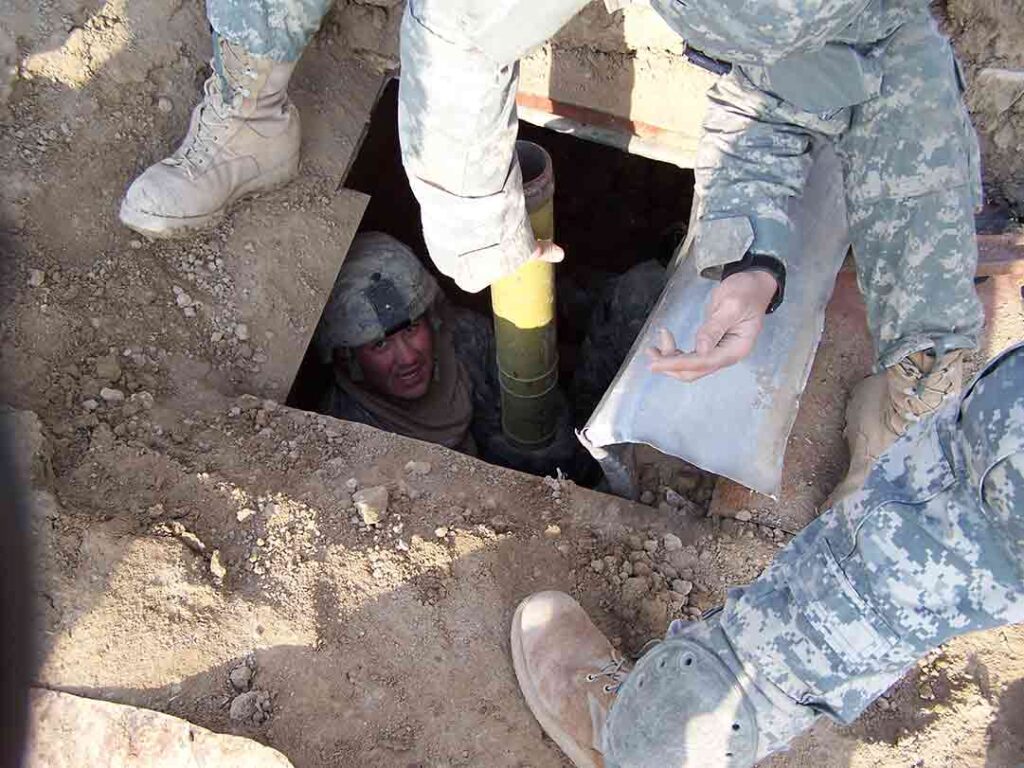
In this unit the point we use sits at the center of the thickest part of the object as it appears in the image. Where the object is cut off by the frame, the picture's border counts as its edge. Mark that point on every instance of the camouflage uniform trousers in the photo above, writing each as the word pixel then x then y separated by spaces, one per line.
pixel 930 548
pixel 275 29
pixel 911 168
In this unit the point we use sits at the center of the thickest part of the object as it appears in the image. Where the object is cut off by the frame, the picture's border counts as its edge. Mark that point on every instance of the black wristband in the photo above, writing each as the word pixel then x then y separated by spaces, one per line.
pixel 757 262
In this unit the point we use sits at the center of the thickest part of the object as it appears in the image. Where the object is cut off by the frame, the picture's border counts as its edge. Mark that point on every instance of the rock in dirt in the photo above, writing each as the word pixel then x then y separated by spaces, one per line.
pixel 112 396
pixel 634 588
pixel 176 529
pixel 252 707
pixel 420 468
pixel 36 278
pixel 372 504
pixel 683 559
pixel 217 567
pixel 744 516
pixel 241 677
pixel 70 732
pixel 654 612
pixel 672 542
pixel 674 499
pixel 682 586
pixel 108 368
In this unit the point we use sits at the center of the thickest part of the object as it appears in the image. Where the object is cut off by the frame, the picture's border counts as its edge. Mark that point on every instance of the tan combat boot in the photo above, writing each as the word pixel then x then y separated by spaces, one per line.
pixel 883 406
pixel 568 671
pixel 242 139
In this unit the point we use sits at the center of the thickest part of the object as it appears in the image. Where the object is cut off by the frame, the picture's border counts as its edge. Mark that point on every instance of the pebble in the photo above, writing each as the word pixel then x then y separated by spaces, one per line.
pixel 597 566
pixel 682 586
pixel 164 104
pixel 672 542
pixel 553 531
pixel 143 399
pixel 674 498
pixel 634 588
pixel 352 484
pixel 647 497
pixel 252 706
pixel 244 514
pixel 926 692
pixel 242 332
pixel 135 244
pixel 108 368
pixel 36 277
pixel 651 545
pixel 441 531
pixel 90 405
pixel 112 396
pixel 217 567
pixel 654 612
pixel 418 468
pixel 155 511
pixel 744 516
pixel 371 503
pixel 241 677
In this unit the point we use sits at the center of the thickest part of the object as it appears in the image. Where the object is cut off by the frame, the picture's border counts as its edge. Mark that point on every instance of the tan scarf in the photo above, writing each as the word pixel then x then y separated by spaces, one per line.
pixel 443 415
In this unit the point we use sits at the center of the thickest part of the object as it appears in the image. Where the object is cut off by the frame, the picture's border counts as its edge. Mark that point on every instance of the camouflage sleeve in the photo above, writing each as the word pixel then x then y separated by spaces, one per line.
pixel 457 124
pixel 753 157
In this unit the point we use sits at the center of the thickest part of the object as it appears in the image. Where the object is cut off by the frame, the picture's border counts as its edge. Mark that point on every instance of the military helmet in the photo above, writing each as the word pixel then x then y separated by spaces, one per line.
pixel 381 287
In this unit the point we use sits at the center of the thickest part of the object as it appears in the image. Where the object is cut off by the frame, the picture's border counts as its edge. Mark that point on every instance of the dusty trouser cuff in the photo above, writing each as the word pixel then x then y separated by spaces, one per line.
pixel 690 702
pixel 499 220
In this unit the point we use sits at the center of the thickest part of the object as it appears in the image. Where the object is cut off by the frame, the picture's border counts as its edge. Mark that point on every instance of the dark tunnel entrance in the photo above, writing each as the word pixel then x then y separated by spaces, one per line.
pixel 619 218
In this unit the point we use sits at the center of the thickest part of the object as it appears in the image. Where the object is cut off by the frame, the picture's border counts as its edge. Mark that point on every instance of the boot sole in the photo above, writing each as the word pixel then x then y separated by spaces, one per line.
pixel 580 758
pixel 168 227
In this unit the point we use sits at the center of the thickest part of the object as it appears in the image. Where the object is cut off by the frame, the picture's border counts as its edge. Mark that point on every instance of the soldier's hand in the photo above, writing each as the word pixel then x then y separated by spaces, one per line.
pixel 733 319
pixel 548 251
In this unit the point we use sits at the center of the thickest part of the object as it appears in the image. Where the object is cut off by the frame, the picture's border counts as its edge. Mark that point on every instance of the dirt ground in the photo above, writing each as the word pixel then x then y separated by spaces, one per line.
pixel 196 540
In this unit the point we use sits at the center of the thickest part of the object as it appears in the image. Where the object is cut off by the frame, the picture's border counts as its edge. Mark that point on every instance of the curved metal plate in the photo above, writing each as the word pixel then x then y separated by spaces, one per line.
pixel 735 422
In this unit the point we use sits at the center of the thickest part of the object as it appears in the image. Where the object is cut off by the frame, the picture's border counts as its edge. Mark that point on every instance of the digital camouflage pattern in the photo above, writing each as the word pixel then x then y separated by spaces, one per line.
pixel 879 80
pixel 910 161
pixel 931 547
pixel 277 29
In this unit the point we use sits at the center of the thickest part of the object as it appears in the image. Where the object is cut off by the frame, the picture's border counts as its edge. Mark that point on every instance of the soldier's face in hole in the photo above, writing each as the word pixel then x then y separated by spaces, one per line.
pixel 400 365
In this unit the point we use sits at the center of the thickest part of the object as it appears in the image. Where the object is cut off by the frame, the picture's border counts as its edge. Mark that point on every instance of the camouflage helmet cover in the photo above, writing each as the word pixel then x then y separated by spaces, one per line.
pixel 381 286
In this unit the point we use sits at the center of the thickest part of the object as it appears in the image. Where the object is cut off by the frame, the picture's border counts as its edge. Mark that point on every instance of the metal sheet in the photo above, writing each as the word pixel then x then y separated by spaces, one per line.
pixel 735 422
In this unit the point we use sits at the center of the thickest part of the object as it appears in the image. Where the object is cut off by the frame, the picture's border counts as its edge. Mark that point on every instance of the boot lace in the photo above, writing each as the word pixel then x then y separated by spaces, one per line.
pixel 614 672
pixel 927 391
pixel 211 124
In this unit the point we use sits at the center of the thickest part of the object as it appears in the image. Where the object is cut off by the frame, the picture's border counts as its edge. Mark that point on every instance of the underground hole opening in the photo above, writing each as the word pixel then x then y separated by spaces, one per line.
pixel 619 218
